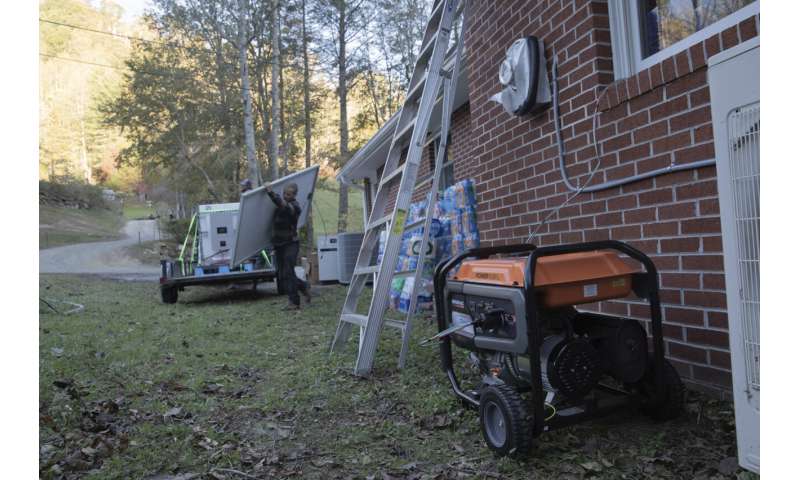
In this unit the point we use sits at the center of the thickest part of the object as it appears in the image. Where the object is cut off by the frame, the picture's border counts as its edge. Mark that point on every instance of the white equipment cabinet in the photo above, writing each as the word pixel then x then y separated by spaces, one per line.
pixel 217 231
pixel 328 256
pixel 735 110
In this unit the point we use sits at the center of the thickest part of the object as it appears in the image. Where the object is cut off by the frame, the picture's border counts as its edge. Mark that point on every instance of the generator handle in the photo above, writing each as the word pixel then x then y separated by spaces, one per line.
pixel 534 337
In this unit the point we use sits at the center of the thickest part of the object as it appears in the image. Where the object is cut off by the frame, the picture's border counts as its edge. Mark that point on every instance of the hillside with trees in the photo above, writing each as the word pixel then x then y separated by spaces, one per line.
pixel 198 95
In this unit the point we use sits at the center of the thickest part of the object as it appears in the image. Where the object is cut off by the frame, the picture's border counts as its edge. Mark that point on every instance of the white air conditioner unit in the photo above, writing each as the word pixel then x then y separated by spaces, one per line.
pixel 349 245
pixel 328 258
pixel 733 77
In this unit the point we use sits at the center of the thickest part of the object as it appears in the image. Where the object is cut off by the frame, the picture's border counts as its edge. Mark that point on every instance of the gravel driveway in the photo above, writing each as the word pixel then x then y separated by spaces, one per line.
pixel 105 258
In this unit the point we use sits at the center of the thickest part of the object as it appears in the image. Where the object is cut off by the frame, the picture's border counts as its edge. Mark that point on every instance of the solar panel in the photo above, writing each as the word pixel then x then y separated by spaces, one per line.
pixel 256 212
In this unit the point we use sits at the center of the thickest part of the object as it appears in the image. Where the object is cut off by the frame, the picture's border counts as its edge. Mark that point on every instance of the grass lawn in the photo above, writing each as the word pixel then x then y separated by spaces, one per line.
pixel 224 384
pixel 326 209
pixel 133 210
pixel 64 226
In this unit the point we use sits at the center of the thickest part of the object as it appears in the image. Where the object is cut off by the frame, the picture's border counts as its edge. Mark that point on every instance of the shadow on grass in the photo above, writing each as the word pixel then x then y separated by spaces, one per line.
pixel 220 295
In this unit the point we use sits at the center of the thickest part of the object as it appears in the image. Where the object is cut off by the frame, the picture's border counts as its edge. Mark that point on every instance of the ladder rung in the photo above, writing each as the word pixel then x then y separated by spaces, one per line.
pixel 355 318
pixel 427 49
pixel 381 221
pixel 422 181
pixel 405 130
pixel 366 270
pixel 416 90
pixel 405 273
pixel 391 175
pixel 414 224
pixel 398 324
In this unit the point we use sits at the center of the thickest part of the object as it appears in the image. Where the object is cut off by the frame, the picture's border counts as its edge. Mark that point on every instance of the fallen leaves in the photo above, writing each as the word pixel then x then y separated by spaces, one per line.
pixel 728 466
pixel 99 434
pixel 161 414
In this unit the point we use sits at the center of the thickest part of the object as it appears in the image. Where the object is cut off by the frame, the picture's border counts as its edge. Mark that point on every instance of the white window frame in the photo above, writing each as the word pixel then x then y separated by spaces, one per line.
pixel 626 44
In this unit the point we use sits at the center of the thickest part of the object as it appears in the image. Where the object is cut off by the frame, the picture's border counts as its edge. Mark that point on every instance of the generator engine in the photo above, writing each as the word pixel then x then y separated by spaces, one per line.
pixel 544 361
pixel 569 366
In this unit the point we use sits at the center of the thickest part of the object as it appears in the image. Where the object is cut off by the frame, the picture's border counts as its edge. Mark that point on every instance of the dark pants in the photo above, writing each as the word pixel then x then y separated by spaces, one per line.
pixel 285 260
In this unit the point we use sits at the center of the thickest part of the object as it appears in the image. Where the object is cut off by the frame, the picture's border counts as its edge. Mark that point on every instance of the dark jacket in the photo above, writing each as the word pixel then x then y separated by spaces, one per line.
pixel 284 225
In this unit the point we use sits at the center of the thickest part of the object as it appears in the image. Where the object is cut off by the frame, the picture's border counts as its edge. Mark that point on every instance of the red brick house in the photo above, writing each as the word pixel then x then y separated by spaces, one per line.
pixel 648 80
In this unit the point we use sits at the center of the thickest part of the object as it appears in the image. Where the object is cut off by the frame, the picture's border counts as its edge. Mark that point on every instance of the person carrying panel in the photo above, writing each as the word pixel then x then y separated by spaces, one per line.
pixel 286 243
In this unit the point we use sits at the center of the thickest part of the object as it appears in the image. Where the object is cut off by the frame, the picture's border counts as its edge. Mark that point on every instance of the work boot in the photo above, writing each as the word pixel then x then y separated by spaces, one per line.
pixel 291 306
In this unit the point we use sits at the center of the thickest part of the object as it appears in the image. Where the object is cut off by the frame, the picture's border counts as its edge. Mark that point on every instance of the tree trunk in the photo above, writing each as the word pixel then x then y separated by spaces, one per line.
pixel 249 133
pixel 284 150
pixel 276 93
pixel 307 125
pixel 86 171
pixel 264 113
pixel 231 141
pixel 343 130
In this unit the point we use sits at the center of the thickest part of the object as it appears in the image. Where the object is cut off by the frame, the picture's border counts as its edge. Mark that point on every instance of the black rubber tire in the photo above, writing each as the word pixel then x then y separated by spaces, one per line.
pixel 505 421
pixel 169 294
pixel 674 400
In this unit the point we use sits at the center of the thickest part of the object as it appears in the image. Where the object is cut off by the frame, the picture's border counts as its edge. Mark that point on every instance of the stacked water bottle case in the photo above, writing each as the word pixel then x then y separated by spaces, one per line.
pixel 454 229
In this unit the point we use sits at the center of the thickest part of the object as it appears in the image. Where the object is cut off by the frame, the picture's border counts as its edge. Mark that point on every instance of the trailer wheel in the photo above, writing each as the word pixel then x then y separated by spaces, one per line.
pixel 675 393
pixel 169 294
pixel 505 421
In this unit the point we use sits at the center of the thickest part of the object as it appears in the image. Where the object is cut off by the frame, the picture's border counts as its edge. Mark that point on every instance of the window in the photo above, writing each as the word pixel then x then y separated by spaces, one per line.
pixel 645 32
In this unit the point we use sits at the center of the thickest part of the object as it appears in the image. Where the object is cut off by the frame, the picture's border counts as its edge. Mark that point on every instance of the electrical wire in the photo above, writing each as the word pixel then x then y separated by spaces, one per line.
pixel 605 185
pixel 76 307
pixel 552 414
pixel 82 61
pixel 557 119
pixel 49 305
pixel 112 34
pixel 321 217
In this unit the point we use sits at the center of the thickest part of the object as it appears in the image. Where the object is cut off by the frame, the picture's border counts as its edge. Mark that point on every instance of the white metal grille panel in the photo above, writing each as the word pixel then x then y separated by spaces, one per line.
pixel 744 135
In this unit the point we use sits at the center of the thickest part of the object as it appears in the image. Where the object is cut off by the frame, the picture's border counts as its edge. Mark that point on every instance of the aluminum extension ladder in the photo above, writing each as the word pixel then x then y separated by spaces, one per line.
pixel 410 132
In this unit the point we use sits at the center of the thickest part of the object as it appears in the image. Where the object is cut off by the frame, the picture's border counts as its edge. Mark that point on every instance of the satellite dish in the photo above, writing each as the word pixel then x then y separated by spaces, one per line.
pixel 524 78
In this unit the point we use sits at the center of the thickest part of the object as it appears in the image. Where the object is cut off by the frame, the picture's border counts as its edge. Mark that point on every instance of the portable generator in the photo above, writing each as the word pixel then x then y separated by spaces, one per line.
pixel 513 308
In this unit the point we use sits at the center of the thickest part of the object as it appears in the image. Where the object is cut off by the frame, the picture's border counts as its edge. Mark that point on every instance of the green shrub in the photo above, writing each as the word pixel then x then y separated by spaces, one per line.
pixel 72 193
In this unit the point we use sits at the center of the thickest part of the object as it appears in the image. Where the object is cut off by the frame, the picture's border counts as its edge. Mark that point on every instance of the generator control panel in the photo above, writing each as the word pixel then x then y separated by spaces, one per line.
pixel 491 316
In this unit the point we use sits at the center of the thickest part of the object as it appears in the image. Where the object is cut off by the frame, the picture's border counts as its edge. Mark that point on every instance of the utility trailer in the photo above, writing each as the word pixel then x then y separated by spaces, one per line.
pixel 228 243
pixel 198 265
pixel 170 286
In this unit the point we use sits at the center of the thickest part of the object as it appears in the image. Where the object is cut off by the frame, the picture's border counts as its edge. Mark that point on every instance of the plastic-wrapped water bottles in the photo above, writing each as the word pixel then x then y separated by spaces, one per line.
pixel 453 230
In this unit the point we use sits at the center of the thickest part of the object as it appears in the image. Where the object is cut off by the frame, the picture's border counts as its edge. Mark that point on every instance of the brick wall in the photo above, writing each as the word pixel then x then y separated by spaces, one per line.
pixel 459 152
pixel 648 121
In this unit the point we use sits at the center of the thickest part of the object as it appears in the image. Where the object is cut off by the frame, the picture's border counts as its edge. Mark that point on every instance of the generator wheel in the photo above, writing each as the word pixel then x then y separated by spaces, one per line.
pixel 505 421
pixel 169 294
pixel 675 393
